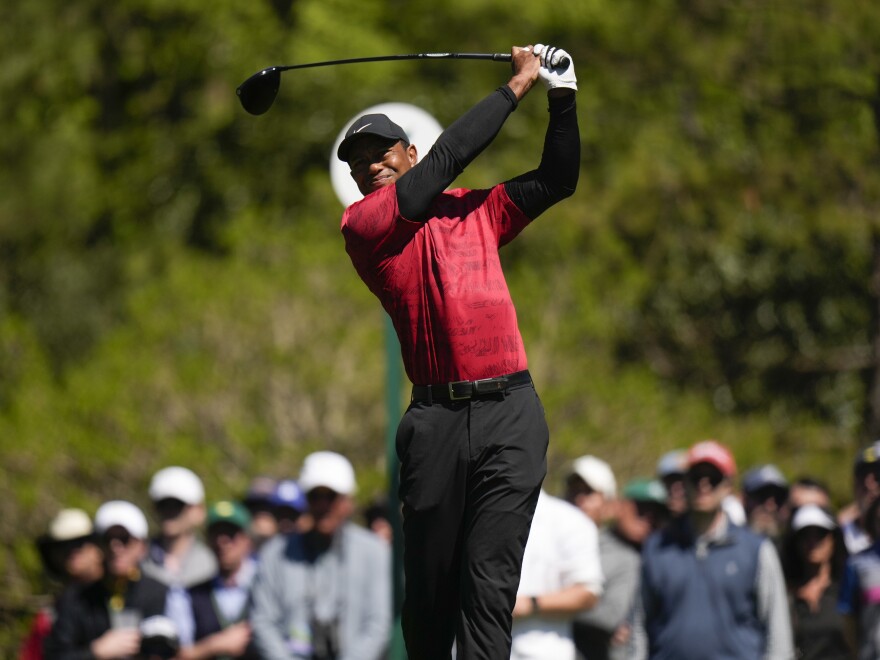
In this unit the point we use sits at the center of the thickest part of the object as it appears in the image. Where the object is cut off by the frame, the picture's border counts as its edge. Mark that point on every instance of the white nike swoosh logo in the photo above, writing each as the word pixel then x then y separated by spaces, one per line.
pixel 363 127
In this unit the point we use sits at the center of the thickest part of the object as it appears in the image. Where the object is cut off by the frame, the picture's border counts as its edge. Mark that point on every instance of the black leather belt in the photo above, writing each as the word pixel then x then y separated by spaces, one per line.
pixel 463 390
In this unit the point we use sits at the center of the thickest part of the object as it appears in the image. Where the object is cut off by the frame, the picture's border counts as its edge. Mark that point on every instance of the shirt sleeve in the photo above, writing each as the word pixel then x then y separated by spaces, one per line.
pixel 638 637
pixel 267 618
pixel 582 553
pixel 557 175
pixel 374 631
pixel 456 147
pixel 773 604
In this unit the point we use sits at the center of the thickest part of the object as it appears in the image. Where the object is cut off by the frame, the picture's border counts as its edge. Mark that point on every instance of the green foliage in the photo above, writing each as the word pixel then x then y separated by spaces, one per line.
pixel 173 286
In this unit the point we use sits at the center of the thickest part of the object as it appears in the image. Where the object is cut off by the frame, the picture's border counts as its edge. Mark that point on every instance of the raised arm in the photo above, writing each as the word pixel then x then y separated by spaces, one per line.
pixel 557 175
pixel 465 139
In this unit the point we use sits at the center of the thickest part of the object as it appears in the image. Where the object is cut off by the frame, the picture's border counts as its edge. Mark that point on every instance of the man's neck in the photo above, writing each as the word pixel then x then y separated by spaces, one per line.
pixel 704 522
pixel 177 546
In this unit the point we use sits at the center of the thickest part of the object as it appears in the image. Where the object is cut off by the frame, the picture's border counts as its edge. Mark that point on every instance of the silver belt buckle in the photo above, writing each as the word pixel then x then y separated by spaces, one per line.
pixel 490 385
pixel 453 396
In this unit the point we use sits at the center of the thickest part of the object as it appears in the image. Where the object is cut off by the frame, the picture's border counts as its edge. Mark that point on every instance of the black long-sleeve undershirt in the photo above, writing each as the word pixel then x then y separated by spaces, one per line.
pixel 533 192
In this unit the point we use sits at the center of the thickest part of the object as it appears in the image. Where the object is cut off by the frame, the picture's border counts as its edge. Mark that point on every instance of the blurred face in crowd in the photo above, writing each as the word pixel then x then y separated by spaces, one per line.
pixel 177 518
pixel 329 510
pixel 676 500
pixel 706 488
pixel 288 519
pixel 264 525
pixel 636 520
pixel 123 552
pixel 767 509
pixel 231 544
pixel 866 483
pixel 582 495
pixel 815 545
pixel 81 560
pixel 800 494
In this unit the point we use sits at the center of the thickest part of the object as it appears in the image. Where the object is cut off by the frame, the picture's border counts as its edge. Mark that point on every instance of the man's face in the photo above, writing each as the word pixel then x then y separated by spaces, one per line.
pixel 377 162
pixel 230 543
pixel 676 499
pixel 329 510
pixel 177 518
pixel 264 524
pixel 123 552
pixel 706 488
pixel 636 520
pixel 591 502
pixel 767 510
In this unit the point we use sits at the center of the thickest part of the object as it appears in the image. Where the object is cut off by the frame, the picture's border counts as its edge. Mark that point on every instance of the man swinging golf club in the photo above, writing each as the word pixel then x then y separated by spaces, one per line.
pixel 472 444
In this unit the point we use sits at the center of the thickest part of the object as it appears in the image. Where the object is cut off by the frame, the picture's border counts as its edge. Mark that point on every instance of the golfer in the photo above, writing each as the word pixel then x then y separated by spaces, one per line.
pixel 472 444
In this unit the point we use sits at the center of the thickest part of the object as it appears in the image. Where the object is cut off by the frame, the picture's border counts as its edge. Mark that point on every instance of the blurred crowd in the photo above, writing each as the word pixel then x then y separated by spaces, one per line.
pixel 697 560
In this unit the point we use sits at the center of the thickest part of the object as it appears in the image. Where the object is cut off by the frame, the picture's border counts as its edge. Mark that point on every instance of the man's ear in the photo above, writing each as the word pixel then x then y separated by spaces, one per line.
pixel 413 154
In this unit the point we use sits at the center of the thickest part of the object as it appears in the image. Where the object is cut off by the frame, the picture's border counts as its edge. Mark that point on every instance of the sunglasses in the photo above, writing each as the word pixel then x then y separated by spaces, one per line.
pixel 73 545
pixel 712 475
pixel 651 510
pixel 813 533
pixel 777 494
pixel 122 537
pixel 321 495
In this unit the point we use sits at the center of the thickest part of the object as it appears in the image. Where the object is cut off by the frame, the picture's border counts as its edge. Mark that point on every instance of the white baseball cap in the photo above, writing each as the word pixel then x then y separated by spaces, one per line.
pixel 177 483
pixel 70 524
pixel 124 514
pixel 327 469
pixel 597 474
pixel 810 515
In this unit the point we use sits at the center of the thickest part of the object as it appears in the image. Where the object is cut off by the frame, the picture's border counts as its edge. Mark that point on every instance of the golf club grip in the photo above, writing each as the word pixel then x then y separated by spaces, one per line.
pixel 563 63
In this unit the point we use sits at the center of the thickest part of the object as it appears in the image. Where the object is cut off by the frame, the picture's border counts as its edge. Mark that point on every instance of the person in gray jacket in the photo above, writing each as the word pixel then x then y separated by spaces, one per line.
pixel 324 593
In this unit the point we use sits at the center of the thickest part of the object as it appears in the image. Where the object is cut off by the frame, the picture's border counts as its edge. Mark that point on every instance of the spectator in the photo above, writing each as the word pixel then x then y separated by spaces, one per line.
pixel 177 557
pixel 710 589
pixel 560 577
pixel 603 632
pixel 70 555
pixel 670 470
pixel 813 558
pixel 324 593
pixel 102 619
pixel 866 487
pixel 377 517
pixel 807 490
pixel 591 487
pixel 215 625
pixel 289 506
pixel 765 494
pixel 860 590
pixel 258 501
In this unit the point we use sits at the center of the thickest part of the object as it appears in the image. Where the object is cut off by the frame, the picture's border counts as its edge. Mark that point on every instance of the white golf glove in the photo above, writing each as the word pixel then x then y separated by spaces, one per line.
pixel 552 73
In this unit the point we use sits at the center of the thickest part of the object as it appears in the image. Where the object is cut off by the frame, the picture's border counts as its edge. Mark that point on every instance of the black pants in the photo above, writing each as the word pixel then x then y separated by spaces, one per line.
pixel 470 474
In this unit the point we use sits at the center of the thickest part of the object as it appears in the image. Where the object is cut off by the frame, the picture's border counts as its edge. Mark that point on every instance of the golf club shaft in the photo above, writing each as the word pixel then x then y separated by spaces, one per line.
pixel 498 57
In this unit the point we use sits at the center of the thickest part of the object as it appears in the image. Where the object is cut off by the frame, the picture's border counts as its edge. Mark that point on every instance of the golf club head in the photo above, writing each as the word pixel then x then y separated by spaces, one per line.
pixel 257 93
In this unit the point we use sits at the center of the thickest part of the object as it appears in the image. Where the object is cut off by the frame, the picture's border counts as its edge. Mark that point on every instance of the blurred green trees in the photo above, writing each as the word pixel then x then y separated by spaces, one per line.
pixel 173 287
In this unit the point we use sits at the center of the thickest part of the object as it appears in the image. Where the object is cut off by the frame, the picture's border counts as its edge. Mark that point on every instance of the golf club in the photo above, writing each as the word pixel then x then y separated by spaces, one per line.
pixel 257 93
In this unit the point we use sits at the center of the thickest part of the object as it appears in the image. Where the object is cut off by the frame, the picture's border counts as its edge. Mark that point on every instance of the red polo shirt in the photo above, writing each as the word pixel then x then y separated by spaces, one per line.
pixel 441 281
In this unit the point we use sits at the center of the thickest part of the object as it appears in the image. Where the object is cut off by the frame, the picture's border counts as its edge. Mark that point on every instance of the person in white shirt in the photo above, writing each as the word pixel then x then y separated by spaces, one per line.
pixel 561 576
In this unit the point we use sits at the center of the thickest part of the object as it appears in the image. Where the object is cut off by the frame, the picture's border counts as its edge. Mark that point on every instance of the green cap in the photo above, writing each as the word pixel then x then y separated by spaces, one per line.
pixel 645 490
pixel 229 512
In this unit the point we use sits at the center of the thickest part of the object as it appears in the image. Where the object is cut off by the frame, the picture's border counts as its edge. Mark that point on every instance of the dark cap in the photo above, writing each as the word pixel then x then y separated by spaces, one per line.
pixel 370 125
pixel 227 511
pixel 868 457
